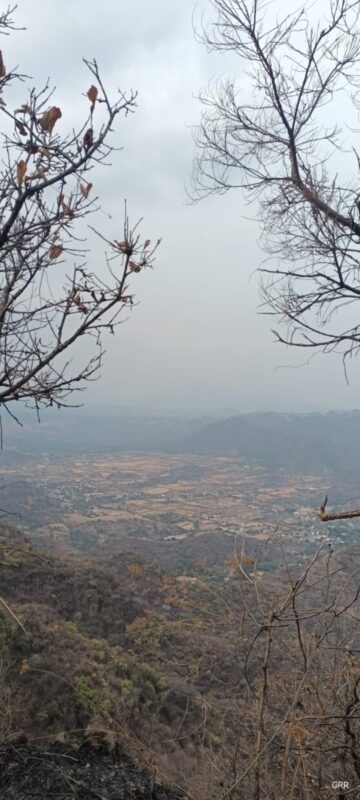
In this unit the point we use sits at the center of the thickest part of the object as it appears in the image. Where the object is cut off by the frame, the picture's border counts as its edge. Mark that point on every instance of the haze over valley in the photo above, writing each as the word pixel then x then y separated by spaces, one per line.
pixel 183 491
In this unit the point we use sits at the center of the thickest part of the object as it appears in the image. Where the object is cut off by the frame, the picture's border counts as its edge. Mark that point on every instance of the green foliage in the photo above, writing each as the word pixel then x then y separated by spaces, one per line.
pixel 71 628
pixel 93 699
pixel 102 649
pixel 166 635
pixel 84 694
pixel 118 658
pixel 16 559
pixel 126 686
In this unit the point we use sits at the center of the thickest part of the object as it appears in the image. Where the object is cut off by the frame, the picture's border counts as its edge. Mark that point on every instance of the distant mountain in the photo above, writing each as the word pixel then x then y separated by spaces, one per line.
pixel 85 431
pixel 299 442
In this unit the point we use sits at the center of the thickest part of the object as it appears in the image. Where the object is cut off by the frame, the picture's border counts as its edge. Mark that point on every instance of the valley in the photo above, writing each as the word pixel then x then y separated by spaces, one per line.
pixel 182 510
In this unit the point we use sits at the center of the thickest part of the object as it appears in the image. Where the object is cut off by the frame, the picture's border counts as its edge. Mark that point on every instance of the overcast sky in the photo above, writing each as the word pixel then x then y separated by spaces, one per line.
pixel 196 340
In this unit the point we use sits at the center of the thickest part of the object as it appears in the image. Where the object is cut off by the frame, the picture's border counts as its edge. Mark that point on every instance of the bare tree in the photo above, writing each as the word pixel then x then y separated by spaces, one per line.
pixel 45 190
pixel 279 139
pixel 270 670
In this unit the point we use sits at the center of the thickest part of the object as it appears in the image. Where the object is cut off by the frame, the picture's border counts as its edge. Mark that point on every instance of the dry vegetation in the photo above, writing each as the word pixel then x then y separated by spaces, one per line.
pixel 243 689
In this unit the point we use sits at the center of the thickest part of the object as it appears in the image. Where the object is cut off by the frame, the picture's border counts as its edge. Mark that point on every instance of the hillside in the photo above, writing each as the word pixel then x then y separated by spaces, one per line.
pixel 95 431
pixel 163 675
pixel 106 649
pixel 306 443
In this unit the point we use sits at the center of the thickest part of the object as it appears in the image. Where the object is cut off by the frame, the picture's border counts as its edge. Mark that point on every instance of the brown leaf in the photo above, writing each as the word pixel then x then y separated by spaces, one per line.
pixel 45 152
pixel 297 730
pixel 85 190
pixel 40 173
pixel 21 128
pixel 55 251
pixel 147 244
pixel 21 171
pixel 25 109
pixel 67 210
pixel 88 139
pixel 134 267
pixel 92 94
pixel 2 66
pixel 31 148
pixel 78 302
pixel 49 118
pixel 110 740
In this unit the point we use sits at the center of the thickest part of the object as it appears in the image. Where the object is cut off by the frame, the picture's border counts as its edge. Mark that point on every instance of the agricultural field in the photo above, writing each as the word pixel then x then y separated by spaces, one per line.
pixel 178 509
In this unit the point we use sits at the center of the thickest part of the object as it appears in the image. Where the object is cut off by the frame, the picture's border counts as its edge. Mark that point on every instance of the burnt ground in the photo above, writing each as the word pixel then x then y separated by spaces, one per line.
pixel 61 773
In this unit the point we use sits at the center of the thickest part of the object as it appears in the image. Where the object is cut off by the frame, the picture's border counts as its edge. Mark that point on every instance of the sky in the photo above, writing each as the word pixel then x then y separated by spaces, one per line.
pixel 196 340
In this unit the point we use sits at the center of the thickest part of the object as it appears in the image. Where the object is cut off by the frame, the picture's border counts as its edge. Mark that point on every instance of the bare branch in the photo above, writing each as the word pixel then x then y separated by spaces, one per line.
pixel 270 140
pixel 45 191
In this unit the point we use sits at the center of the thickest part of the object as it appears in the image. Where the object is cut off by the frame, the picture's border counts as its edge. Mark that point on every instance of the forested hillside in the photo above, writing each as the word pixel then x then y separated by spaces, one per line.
pixel 170 670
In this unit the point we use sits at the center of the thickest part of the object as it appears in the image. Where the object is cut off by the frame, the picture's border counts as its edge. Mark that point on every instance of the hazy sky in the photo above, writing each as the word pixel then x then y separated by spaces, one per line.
pixel 196 340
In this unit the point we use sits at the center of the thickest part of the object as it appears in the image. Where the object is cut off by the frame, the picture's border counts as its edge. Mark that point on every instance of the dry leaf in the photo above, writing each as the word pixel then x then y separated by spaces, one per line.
pixel 147 244
pixel 78 302
pixel 31 148
pixel 2 66
pixel 25 109
pixel 92 94
pixel 40 173
pixel 297 730
pixel 55 251
pixel 85 190
pixel 49 118
pixel 21 171
pixel 110 739
pixel 21 128
pixel 25 666
pixel 134 267
pixel 65 207
pixel 88 139
pixel 45 152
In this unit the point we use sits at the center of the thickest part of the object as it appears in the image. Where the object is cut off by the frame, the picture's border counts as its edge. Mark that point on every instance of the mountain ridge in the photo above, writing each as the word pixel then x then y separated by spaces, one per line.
pixel 302 442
